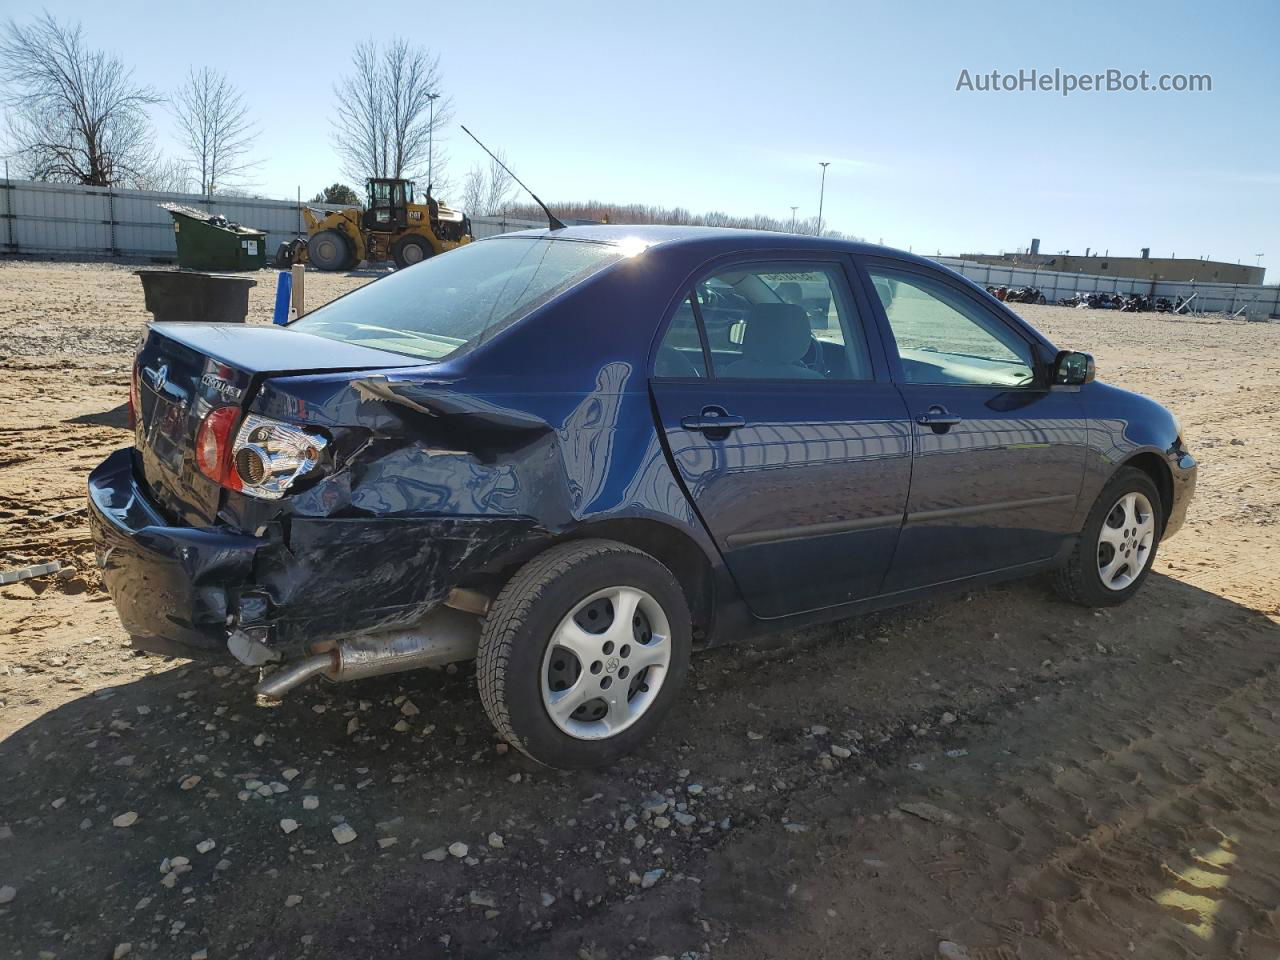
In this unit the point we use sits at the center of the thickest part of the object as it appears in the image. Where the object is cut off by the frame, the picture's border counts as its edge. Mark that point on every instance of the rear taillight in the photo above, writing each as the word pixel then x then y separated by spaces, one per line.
pixel 269 455
pixel 134 404
pixel 213 446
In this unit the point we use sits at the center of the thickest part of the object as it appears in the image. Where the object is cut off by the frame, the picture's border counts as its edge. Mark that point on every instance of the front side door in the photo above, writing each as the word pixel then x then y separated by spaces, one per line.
pixel 998 456
pixel 784 427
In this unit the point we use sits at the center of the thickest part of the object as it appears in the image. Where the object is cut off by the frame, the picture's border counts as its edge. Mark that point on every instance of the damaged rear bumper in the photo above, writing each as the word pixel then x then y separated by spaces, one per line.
pixel 169 584
pixel 182 590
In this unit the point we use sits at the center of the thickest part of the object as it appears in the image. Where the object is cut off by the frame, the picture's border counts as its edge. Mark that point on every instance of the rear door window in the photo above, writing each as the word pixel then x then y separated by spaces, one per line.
pixel 680 354
pixel 782 321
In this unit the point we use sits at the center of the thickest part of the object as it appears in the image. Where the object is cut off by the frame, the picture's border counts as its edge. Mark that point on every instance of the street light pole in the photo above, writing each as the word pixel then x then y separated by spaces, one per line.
pixel 431 141
pixel 822 192
pixel 793 219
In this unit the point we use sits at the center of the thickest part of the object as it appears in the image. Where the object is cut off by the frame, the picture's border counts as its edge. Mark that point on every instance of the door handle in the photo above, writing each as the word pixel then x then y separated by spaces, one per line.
pixel 938 417
pixel 713 420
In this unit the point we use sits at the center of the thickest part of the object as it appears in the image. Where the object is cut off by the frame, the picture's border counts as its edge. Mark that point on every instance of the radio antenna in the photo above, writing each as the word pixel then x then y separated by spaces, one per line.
pixel 553 221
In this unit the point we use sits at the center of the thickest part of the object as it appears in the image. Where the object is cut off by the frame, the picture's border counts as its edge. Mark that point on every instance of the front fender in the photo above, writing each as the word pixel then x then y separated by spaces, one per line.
pixel 1124 425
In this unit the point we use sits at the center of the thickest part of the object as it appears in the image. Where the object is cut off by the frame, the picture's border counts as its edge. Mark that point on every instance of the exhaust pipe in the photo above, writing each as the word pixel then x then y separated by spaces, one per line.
pixel 445 636
pixel 274 687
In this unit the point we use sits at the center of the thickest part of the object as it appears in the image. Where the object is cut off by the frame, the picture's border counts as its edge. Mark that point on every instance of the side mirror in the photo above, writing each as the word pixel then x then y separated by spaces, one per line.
pixel 1073 369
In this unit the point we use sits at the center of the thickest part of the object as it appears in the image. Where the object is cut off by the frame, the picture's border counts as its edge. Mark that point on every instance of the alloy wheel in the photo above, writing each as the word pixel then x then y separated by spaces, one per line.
pixel 605 663
pixel 1125 541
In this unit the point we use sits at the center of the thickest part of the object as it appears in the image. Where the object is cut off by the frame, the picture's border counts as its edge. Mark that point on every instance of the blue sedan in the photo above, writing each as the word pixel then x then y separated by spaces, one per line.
pixel 575 455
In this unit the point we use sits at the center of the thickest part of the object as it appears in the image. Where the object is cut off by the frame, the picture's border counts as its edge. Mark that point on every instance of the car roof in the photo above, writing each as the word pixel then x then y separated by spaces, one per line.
pixel 711 240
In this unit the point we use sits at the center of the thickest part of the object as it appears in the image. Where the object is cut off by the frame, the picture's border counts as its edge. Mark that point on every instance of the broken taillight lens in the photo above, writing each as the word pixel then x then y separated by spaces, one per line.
pixel 213 446
pixel 269 455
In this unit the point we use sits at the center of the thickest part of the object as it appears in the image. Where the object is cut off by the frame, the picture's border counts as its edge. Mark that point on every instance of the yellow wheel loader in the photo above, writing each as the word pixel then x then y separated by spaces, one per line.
pixel 391 227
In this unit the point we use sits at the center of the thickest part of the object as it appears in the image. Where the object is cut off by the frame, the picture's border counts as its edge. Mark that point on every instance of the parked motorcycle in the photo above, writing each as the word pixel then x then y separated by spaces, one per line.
pixel 1025 295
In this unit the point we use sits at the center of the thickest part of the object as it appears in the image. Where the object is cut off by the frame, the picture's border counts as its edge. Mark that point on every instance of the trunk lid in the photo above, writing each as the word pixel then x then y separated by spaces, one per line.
pixel 185 370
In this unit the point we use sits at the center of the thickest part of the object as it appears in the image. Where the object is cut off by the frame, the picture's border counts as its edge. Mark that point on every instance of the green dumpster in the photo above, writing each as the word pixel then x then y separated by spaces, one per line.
pixel 211 242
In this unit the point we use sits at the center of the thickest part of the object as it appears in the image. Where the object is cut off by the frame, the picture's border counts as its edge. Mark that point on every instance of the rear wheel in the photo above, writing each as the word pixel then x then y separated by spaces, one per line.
pixel 583 653
pixel 410 250
pixel 329 250
pixel 1114 553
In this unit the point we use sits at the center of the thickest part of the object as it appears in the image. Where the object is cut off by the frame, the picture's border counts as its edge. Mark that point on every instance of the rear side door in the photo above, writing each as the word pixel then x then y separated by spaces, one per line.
pixel 998 455
pixel 775 401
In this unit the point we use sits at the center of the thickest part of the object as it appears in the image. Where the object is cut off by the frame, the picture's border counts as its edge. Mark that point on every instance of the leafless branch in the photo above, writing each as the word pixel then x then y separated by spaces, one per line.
pixel 488 191
pixel 217 134
pixel 168 175
pixel 384 123
pixel 73 114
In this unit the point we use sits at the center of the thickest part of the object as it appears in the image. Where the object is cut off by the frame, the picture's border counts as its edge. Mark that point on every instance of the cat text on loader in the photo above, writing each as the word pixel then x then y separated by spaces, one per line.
pixel 392 227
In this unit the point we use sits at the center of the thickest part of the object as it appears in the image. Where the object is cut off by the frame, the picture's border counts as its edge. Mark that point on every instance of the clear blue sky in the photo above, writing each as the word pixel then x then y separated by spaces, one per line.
pixel 730 105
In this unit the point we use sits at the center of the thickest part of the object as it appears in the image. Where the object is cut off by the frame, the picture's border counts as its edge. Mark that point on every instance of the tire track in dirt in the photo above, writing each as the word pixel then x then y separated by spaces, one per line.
pixel 1145 826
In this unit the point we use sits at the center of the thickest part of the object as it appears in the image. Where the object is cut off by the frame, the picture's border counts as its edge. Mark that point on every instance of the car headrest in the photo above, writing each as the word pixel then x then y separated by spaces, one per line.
pixel 776 333
pixel 790 292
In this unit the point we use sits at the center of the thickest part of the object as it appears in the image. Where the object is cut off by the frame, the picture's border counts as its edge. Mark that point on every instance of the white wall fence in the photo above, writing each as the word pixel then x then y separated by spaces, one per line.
pixel 42 219
pixel 1254 302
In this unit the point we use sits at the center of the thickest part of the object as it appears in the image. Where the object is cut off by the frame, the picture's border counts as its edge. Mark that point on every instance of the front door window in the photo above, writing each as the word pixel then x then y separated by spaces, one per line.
pixel 943 338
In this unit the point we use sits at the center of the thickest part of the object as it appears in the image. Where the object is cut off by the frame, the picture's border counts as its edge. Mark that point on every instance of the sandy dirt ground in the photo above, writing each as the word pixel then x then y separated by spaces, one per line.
pixel 996 775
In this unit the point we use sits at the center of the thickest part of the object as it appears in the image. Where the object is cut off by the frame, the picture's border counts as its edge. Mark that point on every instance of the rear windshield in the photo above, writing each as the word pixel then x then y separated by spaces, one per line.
pixel 457 298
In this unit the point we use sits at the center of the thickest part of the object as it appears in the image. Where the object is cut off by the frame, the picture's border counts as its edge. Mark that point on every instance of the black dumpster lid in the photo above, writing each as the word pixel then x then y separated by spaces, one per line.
pixel 147 272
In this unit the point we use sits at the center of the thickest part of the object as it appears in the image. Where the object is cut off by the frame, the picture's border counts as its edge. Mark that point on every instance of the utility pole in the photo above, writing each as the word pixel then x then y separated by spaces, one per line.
pixel 822 192
pixel 793 219
pixel 431 140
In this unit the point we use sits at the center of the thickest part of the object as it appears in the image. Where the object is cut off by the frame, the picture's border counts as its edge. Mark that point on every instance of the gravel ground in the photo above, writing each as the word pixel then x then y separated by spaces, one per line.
pixel 996 775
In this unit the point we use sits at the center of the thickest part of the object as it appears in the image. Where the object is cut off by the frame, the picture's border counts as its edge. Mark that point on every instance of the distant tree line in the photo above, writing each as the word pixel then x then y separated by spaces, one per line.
pixel 678 216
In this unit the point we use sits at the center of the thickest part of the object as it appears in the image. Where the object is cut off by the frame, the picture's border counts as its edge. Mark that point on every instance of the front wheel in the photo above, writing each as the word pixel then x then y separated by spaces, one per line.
pixel 409 250
pixel 1117 546
pixel 584 651
pixel 329 250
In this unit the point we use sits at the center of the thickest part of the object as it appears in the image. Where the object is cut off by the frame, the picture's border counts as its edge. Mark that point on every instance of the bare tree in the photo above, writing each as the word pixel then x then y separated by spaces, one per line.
pixel 166 175
pixel 473 191
pixel 487 191
pixel 385 120
pixel 498 186
pixel 217 133
pixel 74 115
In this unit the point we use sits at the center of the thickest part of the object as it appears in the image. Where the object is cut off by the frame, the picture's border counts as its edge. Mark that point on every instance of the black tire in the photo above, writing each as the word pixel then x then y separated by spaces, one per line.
pixel 409 250
pixel 1079 580
pixel 329 250
pixel 518 632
